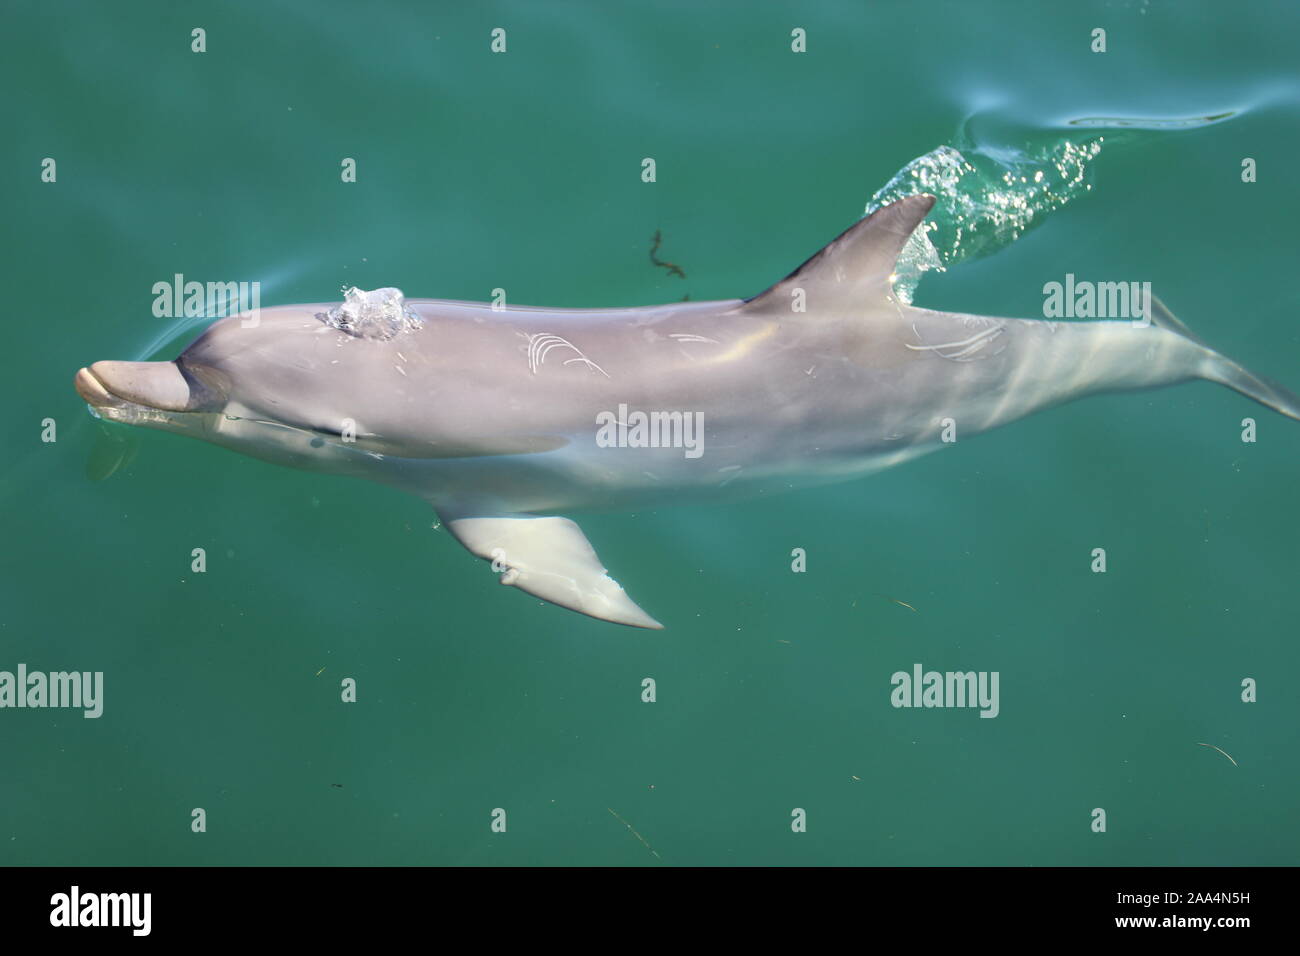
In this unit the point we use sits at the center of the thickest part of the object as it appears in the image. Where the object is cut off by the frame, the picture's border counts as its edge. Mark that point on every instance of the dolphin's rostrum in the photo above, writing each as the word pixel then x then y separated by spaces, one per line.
pixel 492 414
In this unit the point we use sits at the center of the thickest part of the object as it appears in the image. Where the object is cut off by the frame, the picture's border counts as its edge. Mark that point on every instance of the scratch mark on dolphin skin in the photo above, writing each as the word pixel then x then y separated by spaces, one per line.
pixel 634 833
pixel 540 343
pixel 688 337
pixel 1224 752
pixel 964 348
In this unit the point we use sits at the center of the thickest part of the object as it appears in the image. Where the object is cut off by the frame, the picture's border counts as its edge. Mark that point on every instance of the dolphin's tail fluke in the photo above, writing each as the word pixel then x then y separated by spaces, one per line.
pixel 1219 368
pixel 1263 390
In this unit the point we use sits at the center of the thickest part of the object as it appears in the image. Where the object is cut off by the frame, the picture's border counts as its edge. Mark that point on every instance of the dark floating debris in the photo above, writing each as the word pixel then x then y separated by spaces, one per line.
pixel 672 267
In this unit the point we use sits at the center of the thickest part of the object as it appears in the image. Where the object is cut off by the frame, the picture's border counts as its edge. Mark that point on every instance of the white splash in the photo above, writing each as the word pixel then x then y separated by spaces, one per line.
pixel 378 314
pixel 986 198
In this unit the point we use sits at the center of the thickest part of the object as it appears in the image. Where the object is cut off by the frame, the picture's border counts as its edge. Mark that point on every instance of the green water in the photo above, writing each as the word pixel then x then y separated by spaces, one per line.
pixel 522 170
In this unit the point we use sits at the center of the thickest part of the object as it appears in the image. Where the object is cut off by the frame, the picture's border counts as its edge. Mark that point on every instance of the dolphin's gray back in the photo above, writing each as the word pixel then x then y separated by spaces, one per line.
pixel 502 418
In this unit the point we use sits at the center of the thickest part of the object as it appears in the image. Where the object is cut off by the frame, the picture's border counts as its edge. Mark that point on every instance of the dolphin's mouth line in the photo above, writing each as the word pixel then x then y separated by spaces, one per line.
pixel 309 430
pixel 107 404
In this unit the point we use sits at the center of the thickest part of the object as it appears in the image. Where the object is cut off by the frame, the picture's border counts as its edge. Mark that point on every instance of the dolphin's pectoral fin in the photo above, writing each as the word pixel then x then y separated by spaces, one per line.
pixel 114 448
pixel 552 559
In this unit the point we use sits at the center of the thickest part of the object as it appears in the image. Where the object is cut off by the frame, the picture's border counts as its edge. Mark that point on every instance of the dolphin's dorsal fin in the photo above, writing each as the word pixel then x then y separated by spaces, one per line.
pixel 855 265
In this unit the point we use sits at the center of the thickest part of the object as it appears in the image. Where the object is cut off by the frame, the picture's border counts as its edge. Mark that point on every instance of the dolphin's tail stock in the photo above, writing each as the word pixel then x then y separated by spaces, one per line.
pixel 1219 368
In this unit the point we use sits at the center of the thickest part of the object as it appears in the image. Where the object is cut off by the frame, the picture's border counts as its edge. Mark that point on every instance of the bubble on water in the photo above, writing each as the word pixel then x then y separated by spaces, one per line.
pixel 377 314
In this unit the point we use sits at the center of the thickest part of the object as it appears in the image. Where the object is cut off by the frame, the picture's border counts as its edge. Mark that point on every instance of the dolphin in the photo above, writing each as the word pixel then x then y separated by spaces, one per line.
pixel 506 418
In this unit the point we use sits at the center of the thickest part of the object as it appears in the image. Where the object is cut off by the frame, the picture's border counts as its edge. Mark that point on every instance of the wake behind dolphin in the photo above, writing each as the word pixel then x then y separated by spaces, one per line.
pixel 502 418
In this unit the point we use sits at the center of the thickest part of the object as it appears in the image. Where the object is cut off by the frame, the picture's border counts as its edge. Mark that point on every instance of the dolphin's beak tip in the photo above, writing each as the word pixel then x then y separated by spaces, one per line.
pixel 90 388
